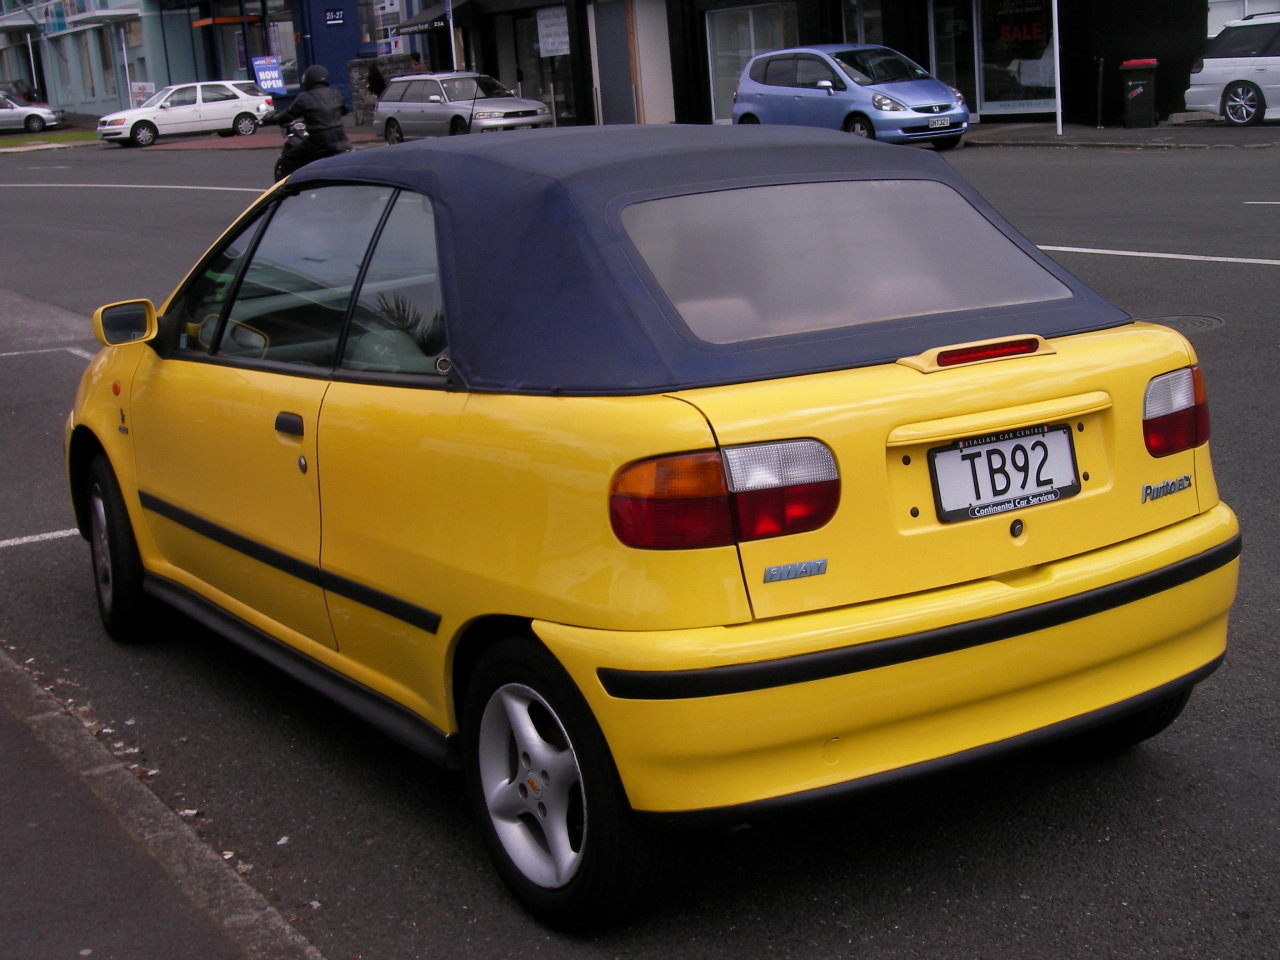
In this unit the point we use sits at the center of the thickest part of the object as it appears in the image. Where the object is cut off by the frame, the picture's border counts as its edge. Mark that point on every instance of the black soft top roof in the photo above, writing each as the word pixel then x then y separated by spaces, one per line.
pixel 544 292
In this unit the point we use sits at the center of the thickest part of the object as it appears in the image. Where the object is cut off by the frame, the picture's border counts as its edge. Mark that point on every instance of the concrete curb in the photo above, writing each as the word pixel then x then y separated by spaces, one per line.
pixel 207 881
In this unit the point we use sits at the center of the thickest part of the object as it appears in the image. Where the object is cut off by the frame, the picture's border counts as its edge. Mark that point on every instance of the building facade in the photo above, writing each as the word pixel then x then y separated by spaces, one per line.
pixel 614 61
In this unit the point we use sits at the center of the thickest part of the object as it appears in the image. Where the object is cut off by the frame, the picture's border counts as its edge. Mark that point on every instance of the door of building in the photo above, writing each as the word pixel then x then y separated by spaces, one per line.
pixel 954 48
pixel 734 37
pixel 613 62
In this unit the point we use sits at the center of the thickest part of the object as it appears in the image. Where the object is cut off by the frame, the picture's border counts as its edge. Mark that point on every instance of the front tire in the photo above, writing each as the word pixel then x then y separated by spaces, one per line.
pixel 143 134
pixel 34 124
pixel 946 143
pixel 543 787
pixel 244 125
pixel 117 567
pixel 859 126
pixel 457 126
pixel 1242 104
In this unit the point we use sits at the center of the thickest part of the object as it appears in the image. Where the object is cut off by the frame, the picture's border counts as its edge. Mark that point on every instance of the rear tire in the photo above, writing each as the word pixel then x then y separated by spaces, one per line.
pixel 244 125
pixel 748 118
pixel 1243 104
pixel 544 790
pixel 392 133
pixel 859 126
pixel 117 568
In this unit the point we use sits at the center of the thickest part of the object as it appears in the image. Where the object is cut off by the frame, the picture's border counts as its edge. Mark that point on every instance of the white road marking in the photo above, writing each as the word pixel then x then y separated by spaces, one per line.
pixel 76 351
pixel 134 186
pixel 1262 203
pixel 39 538
pixel 1164 256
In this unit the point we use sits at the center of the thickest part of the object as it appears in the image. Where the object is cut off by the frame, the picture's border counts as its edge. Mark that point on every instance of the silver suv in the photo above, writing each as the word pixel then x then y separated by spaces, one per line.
pixel 1239 74
pixel 435 104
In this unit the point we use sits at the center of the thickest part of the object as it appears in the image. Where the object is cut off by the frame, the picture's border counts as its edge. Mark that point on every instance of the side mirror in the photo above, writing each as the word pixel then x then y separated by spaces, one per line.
pixel 127 322
pixel 826 85
pixel 435 98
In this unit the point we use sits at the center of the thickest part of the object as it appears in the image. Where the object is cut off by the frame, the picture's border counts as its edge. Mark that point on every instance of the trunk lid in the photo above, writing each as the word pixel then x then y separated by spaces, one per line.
pixel 894 426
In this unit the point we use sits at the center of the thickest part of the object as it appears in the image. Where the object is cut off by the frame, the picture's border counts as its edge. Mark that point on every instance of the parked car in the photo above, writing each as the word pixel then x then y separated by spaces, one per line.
pixel 1239 72
pixel 864 89
pixel 777 466
pixel 228 107
pixel 16 114
pixel 438 104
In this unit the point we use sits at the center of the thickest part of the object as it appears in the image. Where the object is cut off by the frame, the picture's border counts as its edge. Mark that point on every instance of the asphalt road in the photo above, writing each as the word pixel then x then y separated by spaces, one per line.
pixel 1168 851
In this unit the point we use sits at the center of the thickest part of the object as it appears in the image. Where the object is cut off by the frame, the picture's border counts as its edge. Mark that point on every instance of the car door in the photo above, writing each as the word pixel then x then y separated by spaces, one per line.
pixel 225 424
pixel 389 430
pixel 218 106
pixel 436 110
pixel 411 110
pixel 180 111
pixel 818 93
pixel 10 115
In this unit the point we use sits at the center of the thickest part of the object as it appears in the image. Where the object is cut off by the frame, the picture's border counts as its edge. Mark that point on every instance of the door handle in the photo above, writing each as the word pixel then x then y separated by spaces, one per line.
pixel 290 423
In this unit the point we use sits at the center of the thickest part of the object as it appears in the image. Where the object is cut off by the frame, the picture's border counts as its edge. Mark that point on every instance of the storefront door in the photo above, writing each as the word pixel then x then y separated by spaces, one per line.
pixel 954 55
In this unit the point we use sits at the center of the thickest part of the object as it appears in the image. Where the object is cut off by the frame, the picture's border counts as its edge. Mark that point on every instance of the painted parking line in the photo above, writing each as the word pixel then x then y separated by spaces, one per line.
pixel 38 538
pixel 136 186
pixel 1164 256
pixel 74 351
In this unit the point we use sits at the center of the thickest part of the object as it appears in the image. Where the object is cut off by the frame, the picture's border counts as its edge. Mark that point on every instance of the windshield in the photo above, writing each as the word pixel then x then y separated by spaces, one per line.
pixel 786 259
pixel 878 65
pixel 158 97
pixel 474 88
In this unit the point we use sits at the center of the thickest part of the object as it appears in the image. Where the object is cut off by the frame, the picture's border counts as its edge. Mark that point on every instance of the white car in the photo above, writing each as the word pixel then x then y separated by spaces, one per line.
pixel 1238 77
pixel 228 107
pixel 31 117
pixel 440 104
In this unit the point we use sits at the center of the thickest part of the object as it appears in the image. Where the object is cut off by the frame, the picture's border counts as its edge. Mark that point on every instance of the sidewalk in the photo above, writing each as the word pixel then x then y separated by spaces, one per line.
pixel 95 865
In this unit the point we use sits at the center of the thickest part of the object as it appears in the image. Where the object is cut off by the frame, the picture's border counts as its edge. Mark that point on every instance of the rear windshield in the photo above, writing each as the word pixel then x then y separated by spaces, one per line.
pixel 777 260
pixel 249 88
pixel 1248 41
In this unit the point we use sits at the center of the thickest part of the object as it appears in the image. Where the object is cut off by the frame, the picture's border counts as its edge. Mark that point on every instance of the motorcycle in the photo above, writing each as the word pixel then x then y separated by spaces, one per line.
pixel 295 135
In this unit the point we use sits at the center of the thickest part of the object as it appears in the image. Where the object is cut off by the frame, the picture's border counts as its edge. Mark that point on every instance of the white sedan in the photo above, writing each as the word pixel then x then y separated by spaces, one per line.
pixel 228 107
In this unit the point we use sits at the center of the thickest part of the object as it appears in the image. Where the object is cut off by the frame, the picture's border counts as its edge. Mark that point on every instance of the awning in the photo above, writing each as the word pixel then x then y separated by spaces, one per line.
pixel 431 18
pixel 18 20
pixel 96 18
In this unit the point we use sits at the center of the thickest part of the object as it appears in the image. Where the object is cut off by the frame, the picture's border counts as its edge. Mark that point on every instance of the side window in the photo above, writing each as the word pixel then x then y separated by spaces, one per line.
pixel 809 70
pixel 398 322
pixel 293 296
pixel 431 88
pixel 216 92
pixel 781 72
pixel 394 92
pixel 415 91
pixel 183 97
pixel 196 310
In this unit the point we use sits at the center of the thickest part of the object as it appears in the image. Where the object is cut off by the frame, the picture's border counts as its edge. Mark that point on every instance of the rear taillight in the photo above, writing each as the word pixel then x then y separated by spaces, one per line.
pixel 1196 66
pixel 735 92
pixel 1175 412
pixel 715 498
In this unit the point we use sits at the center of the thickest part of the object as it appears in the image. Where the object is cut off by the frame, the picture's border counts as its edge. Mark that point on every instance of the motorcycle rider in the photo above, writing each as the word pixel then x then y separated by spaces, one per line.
pixel 321 109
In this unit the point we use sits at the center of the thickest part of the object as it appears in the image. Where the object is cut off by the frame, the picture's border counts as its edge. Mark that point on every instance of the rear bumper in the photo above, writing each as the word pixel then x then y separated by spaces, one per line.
pixel 778 710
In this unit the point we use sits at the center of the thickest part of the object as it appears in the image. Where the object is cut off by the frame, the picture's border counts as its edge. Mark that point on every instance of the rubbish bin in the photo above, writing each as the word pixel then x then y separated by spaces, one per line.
pixel 1139 78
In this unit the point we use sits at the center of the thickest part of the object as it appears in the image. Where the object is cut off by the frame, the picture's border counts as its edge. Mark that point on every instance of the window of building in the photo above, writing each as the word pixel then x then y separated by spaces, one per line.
pixel 736 35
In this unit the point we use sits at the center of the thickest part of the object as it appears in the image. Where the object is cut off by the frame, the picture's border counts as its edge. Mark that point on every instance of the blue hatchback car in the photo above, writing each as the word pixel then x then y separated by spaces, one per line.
pixel 860 88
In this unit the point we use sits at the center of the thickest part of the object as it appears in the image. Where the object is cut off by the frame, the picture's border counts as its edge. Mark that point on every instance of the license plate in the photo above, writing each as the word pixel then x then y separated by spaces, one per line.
pixel 984 476
pixel 939 121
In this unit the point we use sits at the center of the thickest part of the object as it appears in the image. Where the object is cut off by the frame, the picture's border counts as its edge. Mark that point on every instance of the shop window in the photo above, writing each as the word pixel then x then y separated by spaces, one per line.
pixel 735 36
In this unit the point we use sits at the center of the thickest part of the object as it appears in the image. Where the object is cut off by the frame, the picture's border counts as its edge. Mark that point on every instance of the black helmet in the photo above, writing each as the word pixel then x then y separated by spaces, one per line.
pixel 314 76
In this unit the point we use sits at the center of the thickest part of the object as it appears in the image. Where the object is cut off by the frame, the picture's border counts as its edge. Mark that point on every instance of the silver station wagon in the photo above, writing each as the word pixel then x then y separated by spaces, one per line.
pixel 439 104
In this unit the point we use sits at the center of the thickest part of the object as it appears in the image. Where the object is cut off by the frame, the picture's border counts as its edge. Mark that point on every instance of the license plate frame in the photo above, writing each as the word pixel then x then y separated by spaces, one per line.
pixel 937 123
pixel 968 476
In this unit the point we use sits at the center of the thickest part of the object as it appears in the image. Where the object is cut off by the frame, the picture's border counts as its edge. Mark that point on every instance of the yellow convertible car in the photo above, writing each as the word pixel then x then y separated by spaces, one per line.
pixel 660 475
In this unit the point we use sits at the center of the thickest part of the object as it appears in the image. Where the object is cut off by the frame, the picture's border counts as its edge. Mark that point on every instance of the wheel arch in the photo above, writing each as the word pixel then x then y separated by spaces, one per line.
pixel 469 648
pixel 82 448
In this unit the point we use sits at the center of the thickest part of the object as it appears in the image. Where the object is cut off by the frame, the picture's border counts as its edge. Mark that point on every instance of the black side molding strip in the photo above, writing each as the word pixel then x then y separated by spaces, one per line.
pixel 742 678
pixel 761 809
pixel 397 722
pixel 415 616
